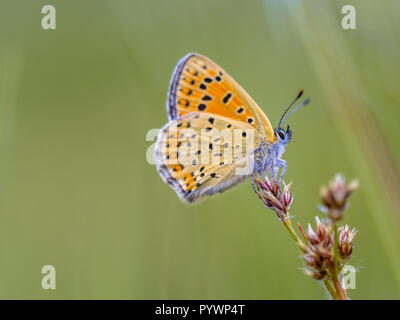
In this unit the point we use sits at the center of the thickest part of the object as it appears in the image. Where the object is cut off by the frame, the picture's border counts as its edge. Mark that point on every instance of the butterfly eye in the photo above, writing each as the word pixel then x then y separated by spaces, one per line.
pixel 281 134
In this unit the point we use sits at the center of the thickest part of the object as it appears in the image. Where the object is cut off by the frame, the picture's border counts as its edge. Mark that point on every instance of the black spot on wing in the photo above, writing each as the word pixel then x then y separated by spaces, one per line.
pixel 201 107
pixel 227 97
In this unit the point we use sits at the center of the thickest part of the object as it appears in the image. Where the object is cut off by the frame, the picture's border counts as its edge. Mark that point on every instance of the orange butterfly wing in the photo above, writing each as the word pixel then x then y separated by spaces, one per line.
pixel 200 85
pixel 195 162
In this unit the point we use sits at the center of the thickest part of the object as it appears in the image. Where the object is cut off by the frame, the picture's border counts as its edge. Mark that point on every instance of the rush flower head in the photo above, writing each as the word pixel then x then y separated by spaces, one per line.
pixel 314 261
pixel 346 241
pixel 322 235
pixel 326 248
pixel 335 196
pixel 319 251
pixel 319 275
pixel 271 193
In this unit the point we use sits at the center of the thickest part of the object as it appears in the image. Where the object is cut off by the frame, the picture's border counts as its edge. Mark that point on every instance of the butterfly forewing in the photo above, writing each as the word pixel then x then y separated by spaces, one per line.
pixel 200 85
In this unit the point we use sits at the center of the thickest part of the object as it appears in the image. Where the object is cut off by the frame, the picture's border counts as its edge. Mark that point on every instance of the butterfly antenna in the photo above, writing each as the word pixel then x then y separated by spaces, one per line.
pixel 290 105
pixel 297 108
pixel 285 115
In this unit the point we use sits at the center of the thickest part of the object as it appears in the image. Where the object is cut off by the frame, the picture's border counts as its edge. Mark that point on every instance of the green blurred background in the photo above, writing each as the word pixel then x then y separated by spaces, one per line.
pixel 77 102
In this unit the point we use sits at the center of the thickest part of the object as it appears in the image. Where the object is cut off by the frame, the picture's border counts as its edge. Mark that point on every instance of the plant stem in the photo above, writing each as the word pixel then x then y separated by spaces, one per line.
pixel 288 224
pixel 340 291
pixel 336 249
pixel 328 285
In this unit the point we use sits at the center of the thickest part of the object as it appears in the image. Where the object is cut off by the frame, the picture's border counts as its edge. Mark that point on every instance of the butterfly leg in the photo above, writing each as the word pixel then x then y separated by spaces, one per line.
pixel 282 164
pixel 274 170
pixel 256 189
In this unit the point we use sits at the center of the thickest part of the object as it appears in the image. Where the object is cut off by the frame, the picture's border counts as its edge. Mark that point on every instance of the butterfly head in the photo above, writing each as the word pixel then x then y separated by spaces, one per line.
pixel 283 136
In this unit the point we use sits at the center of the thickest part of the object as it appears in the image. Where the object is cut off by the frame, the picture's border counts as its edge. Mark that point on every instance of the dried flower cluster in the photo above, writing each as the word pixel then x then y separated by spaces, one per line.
pixel 326 249
pixel 334 197
pixel 319 253
pixel 273 196
pixel 346 242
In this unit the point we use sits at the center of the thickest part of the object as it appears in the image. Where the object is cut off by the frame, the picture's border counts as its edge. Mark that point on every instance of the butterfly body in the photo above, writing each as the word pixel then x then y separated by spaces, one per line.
pixel 216 136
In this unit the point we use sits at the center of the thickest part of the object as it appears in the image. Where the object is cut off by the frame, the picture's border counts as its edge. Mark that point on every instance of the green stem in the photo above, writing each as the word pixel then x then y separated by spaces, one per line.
pixel 288 224
pixel 340 291
pixel 330 289
pixel 336 249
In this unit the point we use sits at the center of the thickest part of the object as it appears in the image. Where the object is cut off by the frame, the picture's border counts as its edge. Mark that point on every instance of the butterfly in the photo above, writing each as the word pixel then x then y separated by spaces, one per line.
pixel 216 135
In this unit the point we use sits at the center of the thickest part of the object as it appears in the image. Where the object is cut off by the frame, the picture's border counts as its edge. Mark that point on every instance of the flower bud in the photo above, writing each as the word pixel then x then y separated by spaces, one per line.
pixel 334 198
pixel 346 241
pixel 271 193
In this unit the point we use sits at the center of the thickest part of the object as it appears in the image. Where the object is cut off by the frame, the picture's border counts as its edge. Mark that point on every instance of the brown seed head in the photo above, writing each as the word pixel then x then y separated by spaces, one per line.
pixel 346 241
pixel 274 197
pixel 334 198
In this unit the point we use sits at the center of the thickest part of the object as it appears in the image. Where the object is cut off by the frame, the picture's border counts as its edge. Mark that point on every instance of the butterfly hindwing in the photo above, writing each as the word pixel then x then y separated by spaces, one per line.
pixel 204 153
pixel 200 85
